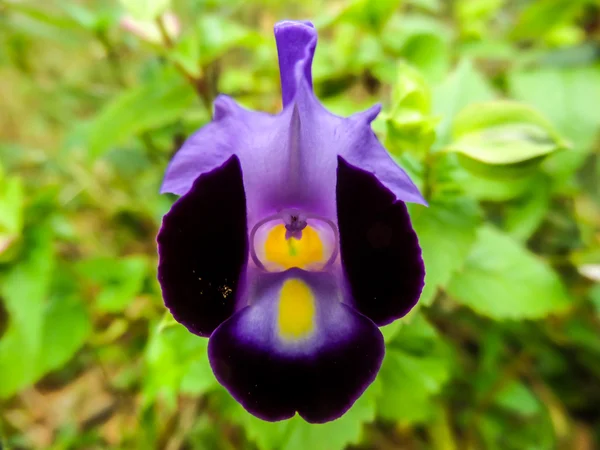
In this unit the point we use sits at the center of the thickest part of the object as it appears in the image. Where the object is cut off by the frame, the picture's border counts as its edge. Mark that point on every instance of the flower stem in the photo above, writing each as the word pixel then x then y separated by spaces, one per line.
pixel 200 83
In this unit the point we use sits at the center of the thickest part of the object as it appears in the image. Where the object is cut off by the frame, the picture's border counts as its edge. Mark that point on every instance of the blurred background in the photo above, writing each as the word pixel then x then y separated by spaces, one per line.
pixel 493 106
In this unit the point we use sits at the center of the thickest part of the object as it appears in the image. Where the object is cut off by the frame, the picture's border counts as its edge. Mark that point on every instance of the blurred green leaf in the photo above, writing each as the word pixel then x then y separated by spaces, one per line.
pixel 429 53
pixel 187 54
pixel 39 12
pixel 11 214
pixel 508 173
pixel 595 297
pixel 389 331
pixel 85 17
pixel 67 326
pixel 118 282
pixel 411 92
pixel 474 16
pixel 422 42
pixel 296 434
pixel 415 368
pixel 198 377
pixel 410 125
pixel 152 104
pixel 567 97
pixel 498 187
pixel 543 16
pixel 217 35
pixel 503 132
pixel 462 87
pixel 446 232
pixel 503 280
pixel 146 9
pixel 524 215
pixel 368 14
pixel 433 6
pixel 337 434
pixel 517 397
pixel 24 290
pixel 176 360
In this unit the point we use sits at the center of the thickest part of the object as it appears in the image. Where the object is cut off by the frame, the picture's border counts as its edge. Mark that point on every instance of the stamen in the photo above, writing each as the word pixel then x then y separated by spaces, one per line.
pixel 295 222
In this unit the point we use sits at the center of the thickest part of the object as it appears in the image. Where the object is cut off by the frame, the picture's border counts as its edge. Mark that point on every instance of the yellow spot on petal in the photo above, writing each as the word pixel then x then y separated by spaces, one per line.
pixel 292 252
pixel 296 310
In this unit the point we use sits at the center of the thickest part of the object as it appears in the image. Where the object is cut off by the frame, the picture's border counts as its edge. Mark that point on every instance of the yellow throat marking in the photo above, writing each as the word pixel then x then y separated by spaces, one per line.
pixel 292 252
pixel 296 310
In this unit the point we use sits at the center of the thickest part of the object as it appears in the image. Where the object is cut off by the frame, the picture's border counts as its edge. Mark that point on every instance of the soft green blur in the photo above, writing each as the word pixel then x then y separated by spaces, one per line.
pixel 493 106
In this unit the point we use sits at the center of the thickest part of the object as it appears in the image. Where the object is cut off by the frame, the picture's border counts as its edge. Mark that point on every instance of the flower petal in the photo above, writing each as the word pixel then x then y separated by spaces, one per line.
pixel 203 247
pixel 296 348
pixel 379 249
pixel 232 127
pixel 296 43
pixel 364 150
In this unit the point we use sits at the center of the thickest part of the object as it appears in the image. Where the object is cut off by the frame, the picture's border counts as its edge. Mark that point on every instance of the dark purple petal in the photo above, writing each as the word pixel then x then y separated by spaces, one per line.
pixel 296 43
pixel 203 248
pixel 379 248
pixel 319 376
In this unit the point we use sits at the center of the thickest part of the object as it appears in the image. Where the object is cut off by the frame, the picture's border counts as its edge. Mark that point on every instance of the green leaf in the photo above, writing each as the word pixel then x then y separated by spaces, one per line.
pixel 503 172
pixel 421 41
pixel 66 328
pixel 432 6
pixel 86 18
pixel 24 290
pixel 337 434
pixel 410 92
pixel 415 368
pixel 198 377
pixel 446 232
pixel 594 295
pixel 368 14
pixel 152 104
pixel 390 331
pixel 462 87
pixel 525 215
pixel 503 280
pixel 517 397
pixel 146 9
pixel 11 214
pixel 543 16
pixel 410 124
pixel 187 54
pixel 296 434
pixel 567 96
pixel 176 360
pixel 430 53
pixel 498 188
pixel 217 35
pixel 474 16
pixel 503 132
pixel 117 281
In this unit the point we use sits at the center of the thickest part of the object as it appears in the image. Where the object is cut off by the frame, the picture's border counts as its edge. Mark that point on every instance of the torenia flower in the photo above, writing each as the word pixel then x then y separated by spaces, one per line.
pixel 289 246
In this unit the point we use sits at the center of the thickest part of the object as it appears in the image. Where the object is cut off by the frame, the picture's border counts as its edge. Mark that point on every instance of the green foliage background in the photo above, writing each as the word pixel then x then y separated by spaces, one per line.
pixel 493 106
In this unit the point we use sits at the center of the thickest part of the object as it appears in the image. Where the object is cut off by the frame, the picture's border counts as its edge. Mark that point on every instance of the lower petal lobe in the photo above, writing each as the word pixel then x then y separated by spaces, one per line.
pixel 379 249
pixel 296 348
pixel 203 247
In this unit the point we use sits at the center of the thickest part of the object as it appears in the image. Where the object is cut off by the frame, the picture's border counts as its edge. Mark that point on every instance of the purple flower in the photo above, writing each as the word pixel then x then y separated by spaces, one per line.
pixel 289 246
